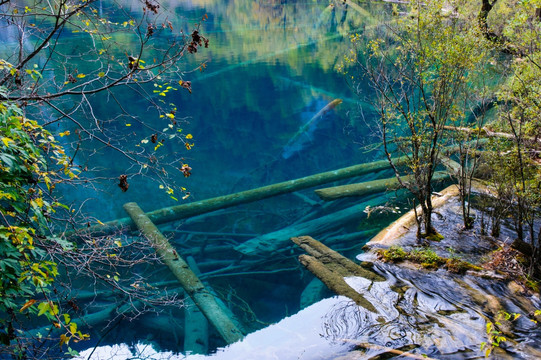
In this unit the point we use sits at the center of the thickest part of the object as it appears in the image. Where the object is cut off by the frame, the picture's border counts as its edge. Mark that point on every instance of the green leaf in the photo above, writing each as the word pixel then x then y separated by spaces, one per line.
pixel 43 308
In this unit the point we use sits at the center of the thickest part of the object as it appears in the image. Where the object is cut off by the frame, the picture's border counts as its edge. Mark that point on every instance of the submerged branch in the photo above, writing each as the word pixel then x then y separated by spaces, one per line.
pixel 179 212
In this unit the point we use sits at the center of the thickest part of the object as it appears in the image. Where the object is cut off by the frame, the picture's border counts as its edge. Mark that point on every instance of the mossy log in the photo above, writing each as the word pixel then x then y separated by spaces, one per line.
pixel 334 281
pixel 333 260
pixel 183 211
pixel 331 268
pixel 186 277
pixel 276 240
pixel 369 187
pixel 453 167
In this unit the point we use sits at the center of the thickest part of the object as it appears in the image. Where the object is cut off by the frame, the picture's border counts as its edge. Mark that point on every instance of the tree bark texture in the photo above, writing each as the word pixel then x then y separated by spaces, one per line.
pixel 331 268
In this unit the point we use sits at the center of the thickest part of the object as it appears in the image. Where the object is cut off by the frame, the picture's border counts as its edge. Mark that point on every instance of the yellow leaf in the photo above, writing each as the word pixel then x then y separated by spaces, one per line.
pixel 99 222
pixel 80 76
pixel 118 243
pixel 73 327
pixel 27 305
pixel 189 136
pixel 39 202
pixel 65 133
pixel 128 124
pixel 6 141
pixel 101 74
pixel 64 339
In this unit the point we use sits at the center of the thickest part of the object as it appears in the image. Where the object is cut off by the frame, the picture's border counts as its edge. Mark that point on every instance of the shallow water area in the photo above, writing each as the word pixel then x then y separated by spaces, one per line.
pixel 428 314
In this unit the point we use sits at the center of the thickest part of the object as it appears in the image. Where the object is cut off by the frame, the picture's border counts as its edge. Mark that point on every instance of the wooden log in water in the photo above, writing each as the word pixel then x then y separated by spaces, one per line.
pixel 334 281
pixel 183 211
pixel 333 260
pixel 186 277
pixel 369 187
pixel 264 244
pixel 196 336
pixel 331 268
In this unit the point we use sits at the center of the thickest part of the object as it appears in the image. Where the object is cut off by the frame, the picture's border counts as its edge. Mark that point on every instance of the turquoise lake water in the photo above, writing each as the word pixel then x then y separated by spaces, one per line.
pixel 270 68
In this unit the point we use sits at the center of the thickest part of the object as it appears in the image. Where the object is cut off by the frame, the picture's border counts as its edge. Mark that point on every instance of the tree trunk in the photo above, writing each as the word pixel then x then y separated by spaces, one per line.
pixel 186 277
pixel 274 241
pixel 179 212
pixel 331 268
pixel 369 187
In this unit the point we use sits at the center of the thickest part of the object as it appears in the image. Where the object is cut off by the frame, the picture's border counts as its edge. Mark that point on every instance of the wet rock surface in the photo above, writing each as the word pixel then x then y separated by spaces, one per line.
pixel 444 315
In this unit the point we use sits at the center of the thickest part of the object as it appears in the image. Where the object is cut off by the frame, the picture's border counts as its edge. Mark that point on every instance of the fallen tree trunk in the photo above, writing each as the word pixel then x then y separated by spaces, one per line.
pixel 333 260
pixel 334 281
pixel 178 212
pixel 331 268
pixel 273 241
pixel 186 277
pixel 388 236
pixel 487 133
pixel 196 336
pixel 369 187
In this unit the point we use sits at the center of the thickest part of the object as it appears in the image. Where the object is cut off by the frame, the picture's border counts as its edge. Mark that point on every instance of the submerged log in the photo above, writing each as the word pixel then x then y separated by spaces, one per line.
pixel 276 240
pixel 179 212
pixel 369 187
pixel 334 281
pixel 186 277
pixel 331 268
pixel 333 260
pixel 110 313
pixel 196 337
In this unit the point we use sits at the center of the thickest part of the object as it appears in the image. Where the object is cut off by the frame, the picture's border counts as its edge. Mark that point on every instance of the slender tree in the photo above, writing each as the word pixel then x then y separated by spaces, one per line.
pixel 422 74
